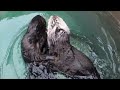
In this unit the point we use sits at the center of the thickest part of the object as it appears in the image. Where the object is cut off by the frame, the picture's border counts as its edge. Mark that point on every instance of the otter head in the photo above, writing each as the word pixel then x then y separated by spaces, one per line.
pixel 36 35
pixel 34 42
pixel 58 31
pixel 37 25
pixel 37 31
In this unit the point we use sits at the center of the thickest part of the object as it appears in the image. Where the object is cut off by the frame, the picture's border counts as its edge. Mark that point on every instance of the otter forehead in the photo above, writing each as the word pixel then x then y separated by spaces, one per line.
pixel 57 22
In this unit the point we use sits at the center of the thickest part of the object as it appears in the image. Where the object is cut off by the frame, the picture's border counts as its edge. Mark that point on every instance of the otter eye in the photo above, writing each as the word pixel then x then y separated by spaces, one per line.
pixel 58 30
pixel 30 41
pixel 37 29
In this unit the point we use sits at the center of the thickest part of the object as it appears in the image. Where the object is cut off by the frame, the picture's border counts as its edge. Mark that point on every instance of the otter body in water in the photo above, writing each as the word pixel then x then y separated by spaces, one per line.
pixel 34 43
pixel 34 49
pixel 68 59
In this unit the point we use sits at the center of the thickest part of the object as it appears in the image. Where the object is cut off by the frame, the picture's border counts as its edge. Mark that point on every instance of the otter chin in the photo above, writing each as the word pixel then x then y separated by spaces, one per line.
pixel 68 60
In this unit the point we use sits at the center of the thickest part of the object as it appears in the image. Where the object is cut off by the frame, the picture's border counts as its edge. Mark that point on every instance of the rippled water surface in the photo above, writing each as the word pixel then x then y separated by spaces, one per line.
pixel 94 33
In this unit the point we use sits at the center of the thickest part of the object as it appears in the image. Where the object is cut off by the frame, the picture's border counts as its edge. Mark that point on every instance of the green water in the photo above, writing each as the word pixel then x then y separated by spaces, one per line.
pixel 94 33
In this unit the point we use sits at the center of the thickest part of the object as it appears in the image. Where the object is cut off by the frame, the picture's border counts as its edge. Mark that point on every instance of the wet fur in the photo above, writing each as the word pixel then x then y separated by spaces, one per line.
pixel 34 43
pixel 34 49
pixel 68 59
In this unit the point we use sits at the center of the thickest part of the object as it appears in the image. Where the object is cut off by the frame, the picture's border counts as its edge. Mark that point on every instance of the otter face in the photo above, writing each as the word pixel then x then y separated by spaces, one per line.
pixel 57 22
pixel 58 31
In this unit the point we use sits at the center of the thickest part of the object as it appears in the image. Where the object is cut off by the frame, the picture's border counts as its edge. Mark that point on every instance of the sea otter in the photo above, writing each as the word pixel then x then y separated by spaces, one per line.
pixel 68 60
pixel 34 49
pixel 34 43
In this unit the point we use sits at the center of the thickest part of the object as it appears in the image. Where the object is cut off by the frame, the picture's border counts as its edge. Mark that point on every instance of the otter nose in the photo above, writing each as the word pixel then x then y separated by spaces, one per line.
pixel 54 17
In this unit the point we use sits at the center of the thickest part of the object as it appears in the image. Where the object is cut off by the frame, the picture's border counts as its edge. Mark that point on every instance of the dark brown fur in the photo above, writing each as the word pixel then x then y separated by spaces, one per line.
pixel 34 43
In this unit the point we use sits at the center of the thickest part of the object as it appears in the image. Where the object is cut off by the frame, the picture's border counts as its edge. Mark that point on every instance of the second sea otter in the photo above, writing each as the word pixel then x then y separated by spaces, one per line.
pixel 68 59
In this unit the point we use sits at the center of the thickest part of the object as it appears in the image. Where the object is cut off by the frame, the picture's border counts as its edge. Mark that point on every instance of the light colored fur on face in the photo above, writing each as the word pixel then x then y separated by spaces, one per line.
pixel 54 23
